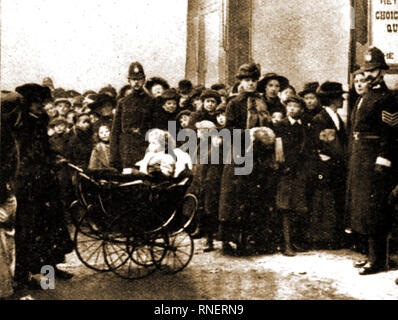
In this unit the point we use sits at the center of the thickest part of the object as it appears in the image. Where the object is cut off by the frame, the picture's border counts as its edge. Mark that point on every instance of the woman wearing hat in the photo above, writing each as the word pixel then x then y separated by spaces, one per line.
pixel 270 85
pixel 41 234
pixel 328 142
pixel 245 111
pixel 166 109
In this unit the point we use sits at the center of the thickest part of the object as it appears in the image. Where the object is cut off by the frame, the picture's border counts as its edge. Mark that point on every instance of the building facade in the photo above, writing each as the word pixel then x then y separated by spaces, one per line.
pixel 302 40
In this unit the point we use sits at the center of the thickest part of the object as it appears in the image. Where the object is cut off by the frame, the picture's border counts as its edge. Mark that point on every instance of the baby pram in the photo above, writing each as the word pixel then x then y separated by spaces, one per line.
pixel 133 224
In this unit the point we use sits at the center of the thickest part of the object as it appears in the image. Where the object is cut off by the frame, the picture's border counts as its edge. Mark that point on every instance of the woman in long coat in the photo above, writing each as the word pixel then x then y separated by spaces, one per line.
pixel 41 236
pixel 245 111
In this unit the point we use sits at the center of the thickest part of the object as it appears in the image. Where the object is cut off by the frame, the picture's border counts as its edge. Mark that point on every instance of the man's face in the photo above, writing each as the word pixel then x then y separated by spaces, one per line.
pixel 170 106
pixel 338 102
pixel 311 101
pixel 248 85
pixel 293 109
pixel 103 133
pixel 210 104
pixel 184 120
pixel 360 83
pixel 272 88
pixel 136 84
pixel 83 123
pixel 157 90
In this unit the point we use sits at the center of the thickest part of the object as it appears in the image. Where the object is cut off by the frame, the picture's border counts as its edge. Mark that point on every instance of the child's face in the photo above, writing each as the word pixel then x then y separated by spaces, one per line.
pixel 277 117
pixel 60 128
pixel 311 101
pixel 286 94
pixel 170 106
pixel 272 88
pixel 221 119
pixel 106 109
pixel 104 133
pixel 182 101
pixel 83 123
pixel 52 112
pixel 93 118
pixel 157 90
pixel 197 102
pixel 210 104
pixel 184 120
pixel 63 108
pixel 293 109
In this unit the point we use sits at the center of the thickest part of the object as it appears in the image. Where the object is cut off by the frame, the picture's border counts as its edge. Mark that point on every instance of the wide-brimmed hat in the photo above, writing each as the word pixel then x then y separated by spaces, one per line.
pixel 331 89
pixel 156 80
pixel 248 70
pixel 221 108
pixel 283 81
pixel 100 99
pixel 309 87
pixel 33 92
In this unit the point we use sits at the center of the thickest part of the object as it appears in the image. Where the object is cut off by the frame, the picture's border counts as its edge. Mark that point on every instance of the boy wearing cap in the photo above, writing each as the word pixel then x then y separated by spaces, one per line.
pixel 211 99
pixel 166 109
pixel 312 103
pixel 328 147
pixel 291 187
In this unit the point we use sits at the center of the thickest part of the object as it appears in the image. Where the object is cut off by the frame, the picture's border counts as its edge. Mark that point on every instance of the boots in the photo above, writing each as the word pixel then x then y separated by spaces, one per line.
pixel 289 252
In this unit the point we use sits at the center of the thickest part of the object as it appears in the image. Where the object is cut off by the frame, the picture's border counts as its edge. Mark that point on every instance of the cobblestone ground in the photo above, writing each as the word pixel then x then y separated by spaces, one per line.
pixel 314 275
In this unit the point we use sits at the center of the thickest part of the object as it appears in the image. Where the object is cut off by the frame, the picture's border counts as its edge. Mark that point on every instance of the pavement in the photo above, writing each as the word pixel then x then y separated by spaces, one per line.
pixel 313 275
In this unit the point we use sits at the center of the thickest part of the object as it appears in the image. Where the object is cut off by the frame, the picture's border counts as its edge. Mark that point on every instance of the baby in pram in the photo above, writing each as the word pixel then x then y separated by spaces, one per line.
pixel 162 159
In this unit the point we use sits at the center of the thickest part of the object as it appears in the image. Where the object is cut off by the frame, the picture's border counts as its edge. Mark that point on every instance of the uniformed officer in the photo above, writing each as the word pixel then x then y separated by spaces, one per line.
pixel 372 165
pixel 131 123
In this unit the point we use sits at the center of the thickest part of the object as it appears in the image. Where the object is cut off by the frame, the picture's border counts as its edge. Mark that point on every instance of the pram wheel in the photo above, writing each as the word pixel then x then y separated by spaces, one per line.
pixel 173 254
pixel 186 214
pixel 130 258
pixel 89 245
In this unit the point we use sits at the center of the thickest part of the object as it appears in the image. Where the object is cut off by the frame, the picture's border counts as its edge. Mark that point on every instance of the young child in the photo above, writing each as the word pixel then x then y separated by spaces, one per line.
pixel 8 206
pixel 59 140
pixel 220 115
pixel 211 99
pixel 312 102
pixel 291 192
pixel 99 158
pixel 166 110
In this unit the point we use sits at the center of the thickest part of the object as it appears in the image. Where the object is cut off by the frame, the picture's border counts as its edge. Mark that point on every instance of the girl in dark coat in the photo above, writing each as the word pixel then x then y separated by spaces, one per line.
pixel 165 109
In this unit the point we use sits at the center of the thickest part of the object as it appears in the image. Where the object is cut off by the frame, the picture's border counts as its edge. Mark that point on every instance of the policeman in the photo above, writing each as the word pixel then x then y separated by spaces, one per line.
pixel 372 165
pixel 131 122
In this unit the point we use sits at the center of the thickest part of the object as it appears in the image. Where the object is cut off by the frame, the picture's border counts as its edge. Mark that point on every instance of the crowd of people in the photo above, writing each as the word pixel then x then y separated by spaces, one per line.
pixel 317 181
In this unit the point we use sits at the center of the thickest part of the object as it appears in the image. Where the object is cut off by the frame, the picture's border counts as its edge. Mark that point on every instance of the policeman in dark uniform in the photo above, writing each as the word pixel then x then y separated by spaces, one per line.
pixel 131 123
pixel 372 165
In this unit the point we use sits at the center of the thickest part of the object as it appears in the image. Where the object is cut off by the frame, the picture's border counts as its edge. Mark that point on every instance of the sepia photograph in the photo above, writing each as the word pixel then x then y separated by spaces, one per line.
pixel 198 154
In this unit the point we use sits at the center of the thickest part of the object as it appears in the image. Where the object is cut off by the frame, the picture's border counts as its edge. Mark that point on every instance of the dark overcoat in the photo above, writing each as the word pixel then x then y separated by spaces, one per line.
pixel 291 186
pixel 373 139
pixel 132 120
pixel 327 178
pixel 231 197
pixel 41 233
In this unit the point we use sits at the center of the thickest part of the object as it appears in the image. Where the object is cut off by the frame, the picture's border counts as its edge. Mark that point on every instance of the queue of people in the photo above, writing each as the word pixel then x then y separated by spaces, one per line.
pixel 315 180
